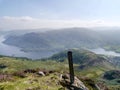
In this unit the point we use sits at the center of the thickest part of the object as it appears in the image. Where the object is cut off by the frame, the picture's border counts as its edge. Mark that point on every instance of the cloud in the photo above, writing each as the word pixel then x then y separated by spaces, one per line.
pixel 24 18
pixel 27 22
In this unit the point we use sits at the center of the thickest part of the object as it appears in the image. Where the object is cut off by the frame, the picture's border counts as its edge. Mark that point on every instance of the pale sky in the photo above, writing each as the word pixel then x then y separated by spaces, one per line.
pixel 32 14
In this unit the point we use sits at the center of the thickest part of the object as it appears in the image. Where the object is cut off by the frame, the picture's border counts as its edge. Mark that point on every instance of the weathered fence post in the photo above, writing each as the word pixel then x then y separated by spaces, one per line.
pixel 71 70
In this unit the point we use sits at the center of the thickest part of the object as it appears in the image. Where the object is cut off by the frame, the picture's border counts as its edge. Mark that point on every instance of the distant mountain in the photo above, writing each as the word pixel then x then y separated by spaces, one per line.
pixel 29 42
pixel 58 40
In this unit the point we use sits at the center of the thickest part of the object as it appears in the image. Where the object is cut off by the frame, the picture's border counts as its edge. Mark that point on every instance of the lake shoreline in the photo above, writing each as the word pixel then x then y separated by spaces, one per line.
pixel 13 51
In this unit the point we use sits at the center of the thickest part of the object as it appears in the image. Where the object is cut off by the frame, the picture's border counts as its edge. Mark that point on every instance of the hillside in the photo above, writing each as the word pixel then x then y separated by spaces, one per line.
pixel 110 75
pixel 13 70
pixel 84 58
pixel 22 74
pixel 56 40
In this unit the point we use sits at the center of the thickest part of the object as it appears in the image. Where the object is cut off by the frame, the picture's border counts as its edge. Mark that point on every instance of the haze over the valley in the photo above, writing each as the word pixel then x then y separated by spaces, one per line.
pixel 43 25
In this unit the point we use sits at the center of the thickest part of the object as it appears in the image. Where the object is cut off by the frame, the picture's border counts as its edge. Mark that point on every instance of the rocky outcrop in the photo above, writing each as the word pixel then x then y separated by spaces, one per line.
pixel 41 73
pixel 101 86
pixel 77 85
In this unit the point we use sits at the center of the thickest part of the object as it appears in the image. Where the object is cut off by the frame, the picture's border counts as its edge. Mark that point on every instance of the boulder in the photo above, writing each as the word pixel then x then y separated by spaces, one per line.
pixel 77 85
pixel 41 73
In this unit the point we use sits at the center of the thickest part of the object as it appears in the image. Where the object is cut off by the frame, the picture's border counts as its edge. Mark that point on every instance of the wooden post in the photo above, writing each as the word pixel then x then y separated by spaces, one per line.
pixel 71 70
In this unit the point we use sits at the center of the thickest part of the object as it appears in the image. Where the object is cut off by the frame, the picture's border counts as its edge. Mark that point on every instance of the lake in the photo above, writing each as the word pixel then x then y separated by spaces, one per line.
pixel 9 50
pixel 103 51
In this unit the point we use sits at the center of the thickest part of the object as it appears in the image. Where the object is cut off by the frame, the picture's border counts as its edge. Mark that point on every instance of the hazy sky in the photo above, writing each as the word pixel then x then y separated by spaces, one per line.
pixel 29 14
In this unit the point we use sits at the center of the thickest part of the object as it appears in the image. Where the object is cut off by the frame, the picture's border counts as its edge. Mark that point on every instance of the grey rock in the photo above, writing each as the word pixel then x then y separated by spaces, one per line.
pixel 77 85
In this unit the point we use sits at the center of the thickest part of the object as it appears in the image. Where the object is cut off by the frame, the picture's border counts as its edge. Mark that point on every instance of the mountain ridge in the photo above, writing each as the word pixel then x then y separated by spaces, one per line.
pixel 84 58
pixel 61 39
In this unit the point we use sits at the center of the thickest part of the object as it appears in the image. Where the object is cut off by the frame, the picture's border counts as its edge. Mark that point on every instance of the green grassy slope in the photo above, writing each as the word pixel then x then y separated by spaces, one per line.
pixel 10 65
pixel 32 81
pixel 13 64
pixel 84 58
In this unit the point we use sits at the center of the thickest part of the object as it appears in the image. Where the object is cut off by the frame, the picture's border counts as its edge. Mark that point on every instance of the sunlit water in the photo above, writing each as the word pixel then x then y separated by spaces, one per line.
pixel 103 51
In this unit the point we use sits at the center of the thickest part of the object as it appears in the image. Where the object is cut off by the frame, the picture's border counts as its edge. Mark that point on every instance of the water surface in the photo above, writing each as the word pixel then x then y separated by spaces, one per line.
pixel 9 50
pixel 103 51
